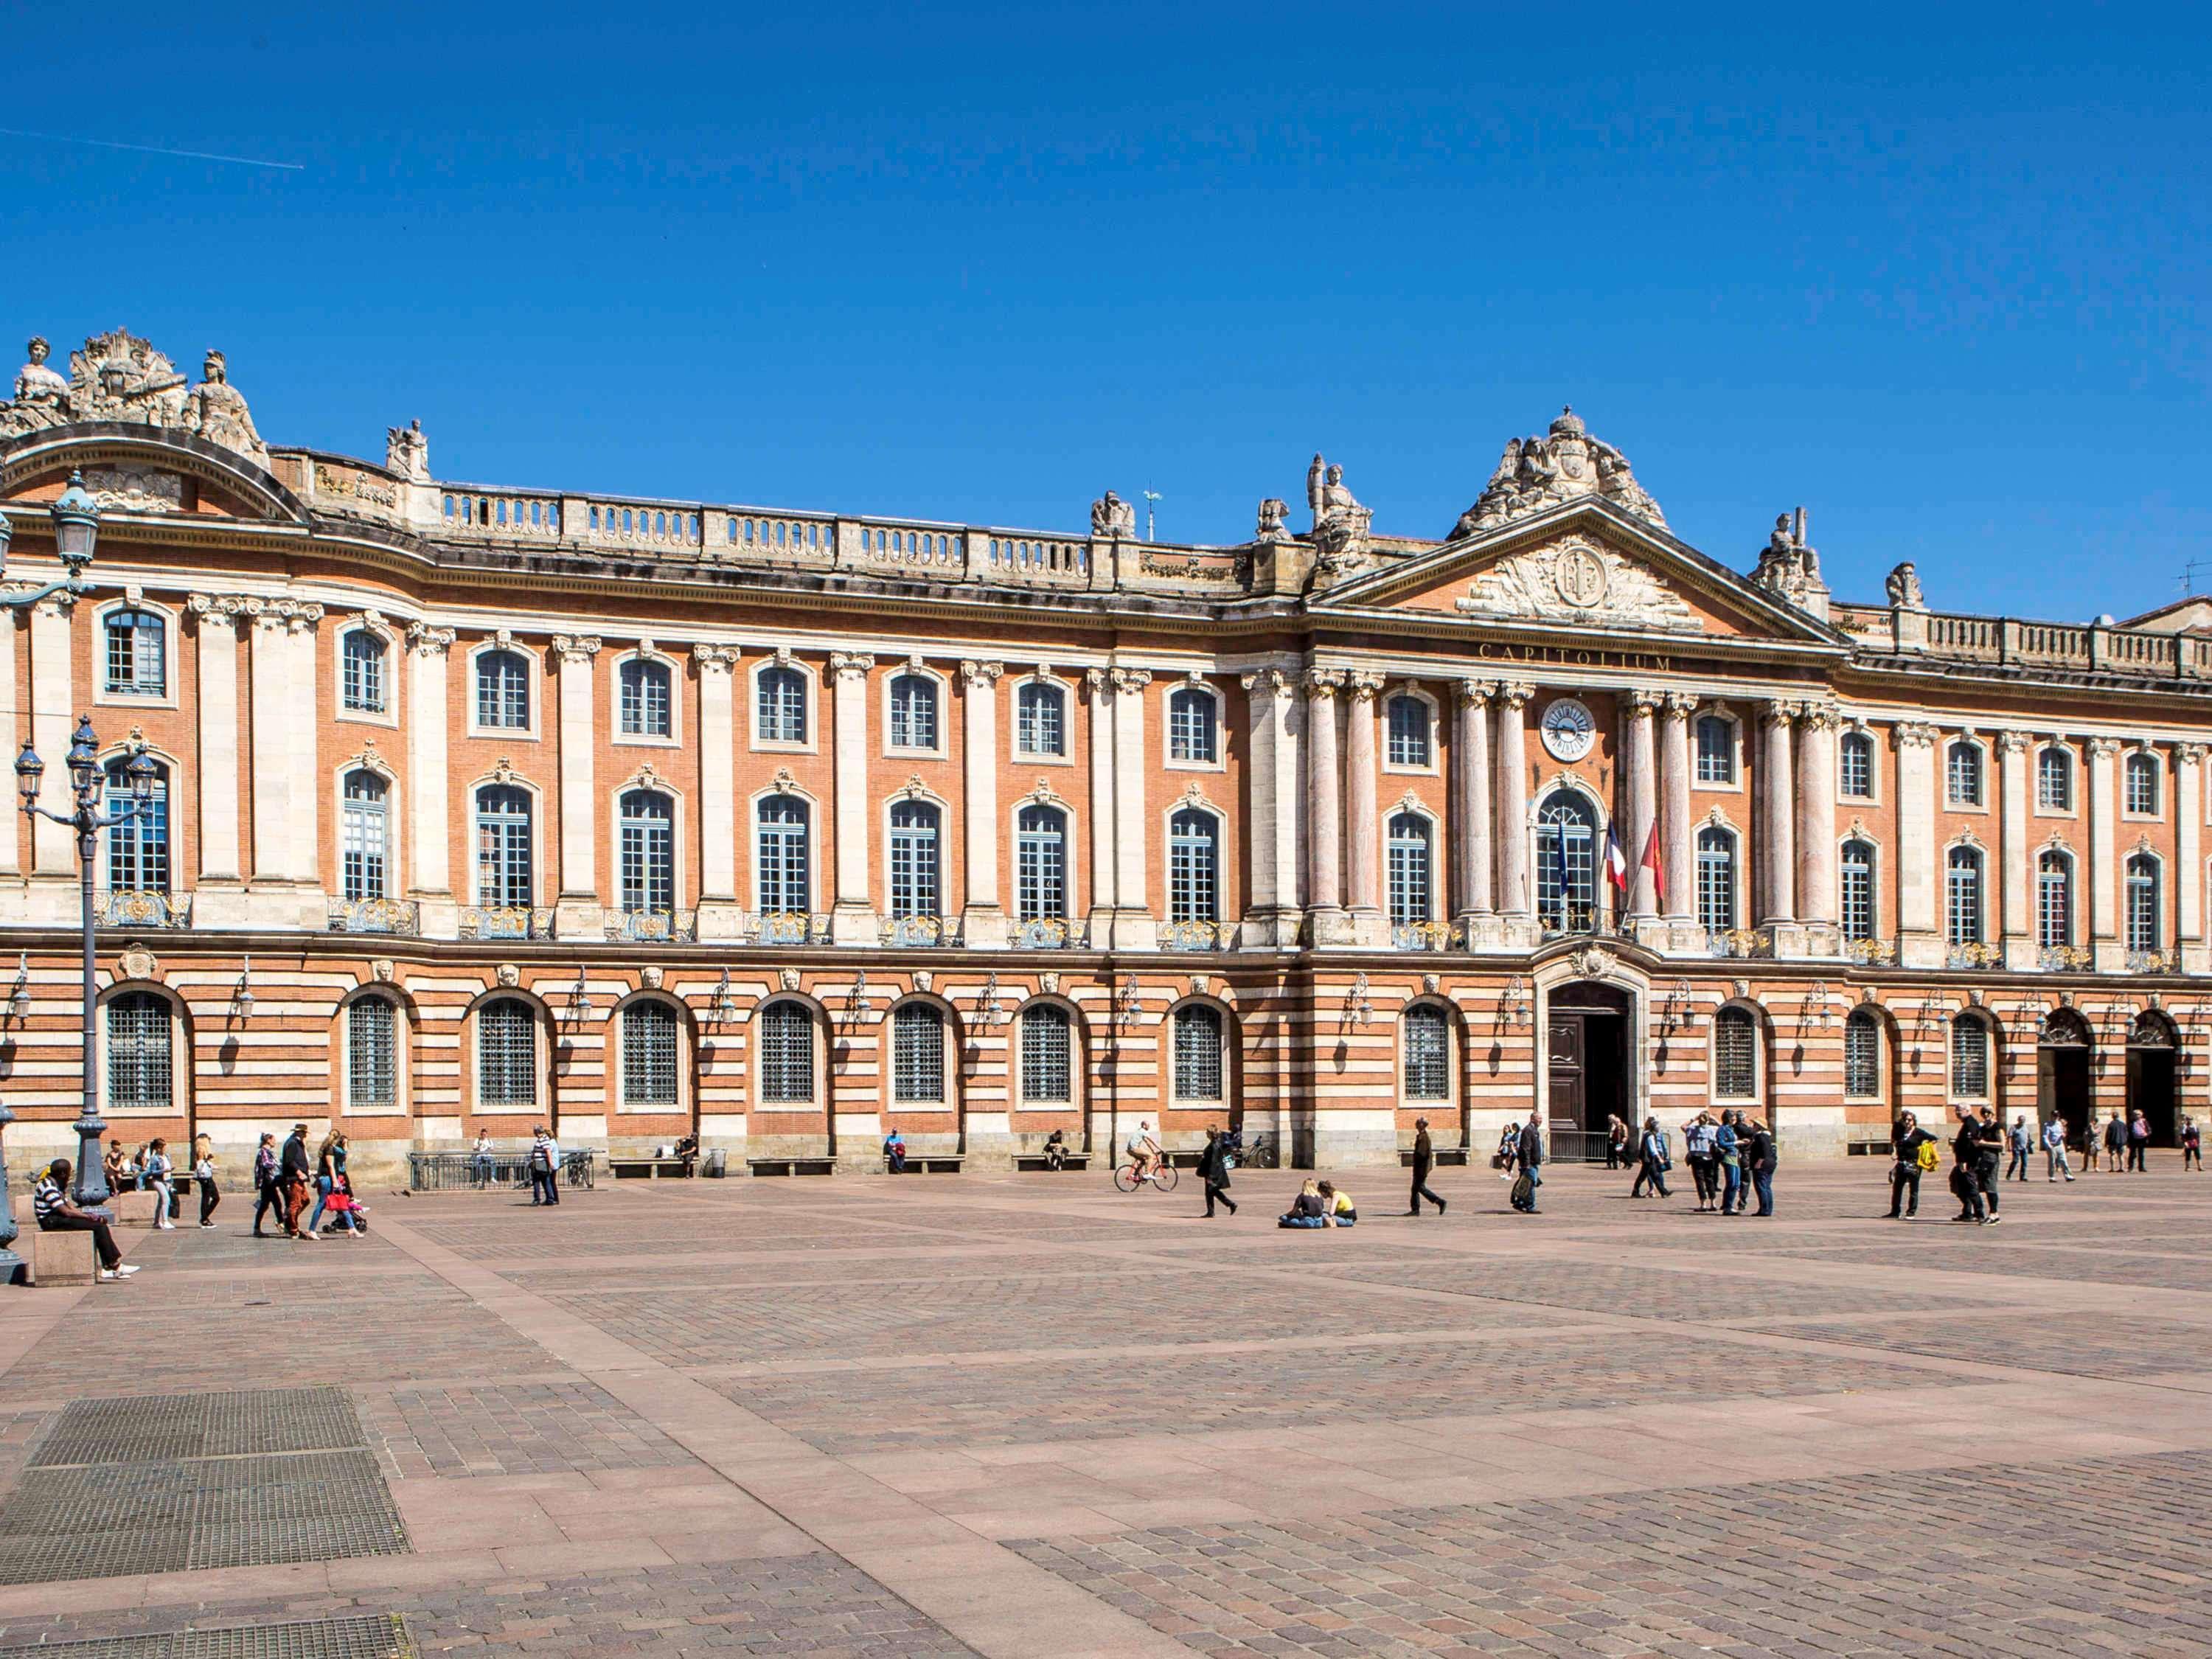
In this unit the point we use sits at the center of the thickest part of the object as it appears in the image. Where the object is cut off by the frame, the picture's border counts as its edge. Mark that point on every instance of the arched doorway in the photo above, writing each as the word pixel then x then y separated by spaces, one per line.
pixel 1587 1065
pixel 2152 1050
pixel 2062 1074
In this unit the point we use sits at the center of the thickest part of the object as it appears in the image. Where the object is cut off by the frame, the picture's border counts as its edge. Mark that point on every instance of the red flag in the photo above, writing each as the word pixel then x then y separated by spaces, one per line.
pixel 1650 858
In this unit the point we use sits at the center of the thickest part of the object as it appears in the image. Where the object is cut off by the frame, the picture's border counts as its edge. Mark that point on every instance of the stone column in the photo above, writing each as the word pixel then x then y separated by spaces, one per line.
pixel 2016 916
pixel 53 717
pixel 1134 928
pixel 1274 842
pixel 1919 942
pixel 1362 853
pixel 221 865
pixel 431 882
pixel 1677 865
pixel 1818 901
pixel 1324 807
pixel 982 918
pixel 853 917
pixel 1098 682
pixel 1642 778
pixel 2188 854
pixel 1471 803
pixel 1776 816
pixel 578 908
pixel 1516 899
pixel 11 858
pixel 720 910
pixel 2104 835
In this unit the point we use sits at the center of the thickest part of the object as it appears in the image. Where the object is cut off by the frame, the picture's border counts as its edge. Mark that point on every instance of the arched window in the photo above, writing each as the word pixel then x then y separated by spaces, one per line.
pixel 2143 928
pixel 1962 896
pixel 365 836
pixel 1197 1053
pixel 2142 782
pixel 1854 766
pixel 507 1054
pixel 503 859
pixel 1970 1057
pixel 914 711
pixel 1863 1056
pixel 1962 772
pixel 138 850
pixel 2054 900
pixel 2054 779
pixel 917 1054
pixel 138 658
pixel 1855 873
pixel 1041 720
pixel 503 691
pixel 1047 1074
pixel 1716 735
pixel 1411 883
pixel 651 1046
pixel 1566 863
pixel 1041 864
pixel 787 1061
pixel 779 860
pixel 645 699
pixel 1410 740
pixel 1191 719
pixel 372 1055
pixel 360 673
pixel 1194 866
pixel 648 853
pixel 1427 1033
pixel 780 702
pixel 1736 1054
pixel 140 1077
pixel 916 888
pixel 1716 879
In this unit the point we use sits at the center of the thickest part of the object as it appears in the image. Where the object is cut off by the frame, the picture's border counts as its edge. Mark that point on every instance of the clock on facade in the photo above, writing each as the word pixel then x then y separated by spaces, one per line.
pixel 1569 729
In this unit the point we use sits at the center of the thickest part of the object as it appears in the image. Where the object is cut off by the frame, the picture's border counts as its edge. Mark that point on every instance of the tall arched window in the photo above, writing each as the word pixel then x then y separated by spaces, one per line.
pixel 1047 1045
pixel 1970 1057
pixel 652 1046
pixel 1716 738
pixel 1736 1054
pixel 917 1054
pixel 1856 874
pixel 1862 1055
pixel 780 703
pixel 138 658
pixel 648 853
pixel 1194 866
pixel 140 1076
pixel 372 1054
pixel 1041 864
pixel 647 699
pixel 1191 722
pixel 360 673
pixel 1197 1053
pixel 1041 720
pixel 2141 785
pixel 1854 766
pixel 138 850
pixel 1962 772
pixel 503 856
pixel 1427 1035
pixel 2143 930
pixel 1411 883
pixel 365 836
pixel 1962 896
pixel 916 888
pixel 1411 742
pixel 787 1061
pixel 1716 880
pixel 1566 863
pixel 503 691
pixel 507 1054
pixel 779 860
pixel 914 711
pixel 2054 779
pixel 2054 900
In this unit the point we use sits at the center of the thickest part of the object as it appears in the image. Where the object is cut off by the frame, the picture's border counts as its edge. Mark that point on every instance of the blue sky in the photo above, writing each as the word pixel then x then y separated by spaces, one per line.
pixel 1940 275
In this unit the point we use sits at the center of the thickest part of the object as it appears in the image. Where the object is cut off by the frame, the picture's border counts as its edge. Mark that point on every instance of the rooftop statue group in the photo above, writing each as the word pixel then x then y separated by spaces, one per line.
pixel 1538 472
pixel 119 377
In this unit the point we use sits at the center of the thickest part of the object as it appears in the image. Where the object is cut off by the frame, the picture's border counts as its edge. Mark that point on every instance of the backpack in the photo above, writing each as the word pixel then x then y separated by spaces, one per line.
pixel 1926 1156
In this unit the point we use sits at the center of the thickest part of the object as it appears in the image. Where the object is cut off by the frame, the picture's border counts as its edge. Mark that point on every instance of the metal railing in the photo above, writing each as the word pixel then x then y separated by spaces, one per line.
pixel 918 931
pixel 1196 935
pixel 1050 933
pixel 375 916
pixel 653 926
pixel 142 907
pixel 515 921
pixel 443 1172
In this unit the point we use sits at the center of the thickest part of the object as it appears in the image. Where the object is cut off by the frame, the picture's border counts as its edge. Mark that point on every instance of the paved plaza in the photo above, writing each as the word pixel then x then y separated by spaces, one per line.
pixel 1029 1416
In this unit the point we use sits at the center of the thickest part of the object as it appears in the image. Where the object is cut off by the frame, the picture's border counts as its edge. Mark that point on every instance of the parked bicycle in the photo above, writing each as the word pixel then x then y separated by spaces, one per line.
pixel 1256 1151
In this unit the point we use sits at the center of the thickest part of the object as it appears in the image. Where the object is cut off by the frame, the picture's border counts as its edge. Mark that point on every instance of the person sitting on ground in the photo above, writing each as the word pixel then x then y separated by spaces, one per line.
pixel 55 1214
pixel 1308 1209
pixel 894 1153
pixel 1144 1151
pixel 1337 1207
pixel 1056 1150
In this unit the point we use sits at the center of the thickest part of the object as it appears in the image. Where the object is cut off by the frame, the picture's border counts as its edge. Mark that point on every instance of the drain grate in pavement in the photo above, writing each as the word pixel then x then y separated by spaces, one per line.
pixel 156 1426
pixel 367 1637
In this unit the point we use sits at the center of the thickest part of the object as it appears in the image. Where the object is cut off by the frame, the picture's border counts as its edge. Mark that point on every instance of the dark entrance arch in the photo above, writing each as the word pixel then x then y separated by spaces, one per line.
pixel 1587 1056
pixel 2062 1074
pixel 2152 1051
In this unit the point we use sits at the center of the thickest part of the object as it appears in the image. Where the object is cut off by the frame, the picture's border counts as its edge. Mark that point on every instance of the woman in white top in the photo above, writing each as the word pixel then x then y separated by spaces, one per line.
pixel 158 1168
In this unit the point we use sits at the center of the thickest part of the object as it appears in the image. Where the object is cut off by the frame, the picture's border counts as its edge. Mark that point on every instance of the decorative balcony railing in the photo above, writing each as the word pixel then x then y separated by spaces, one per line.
pixel 919 932
pixel 1050 933
pixel 2064 959
pixel 2152 962
pixel 1423 936
pixel 1973 956
pixel 506 921
pixel 1739 942
pixel 653 926
pixel 131 906
pixel 1873 952
pixel 375 916
pixel 1196 935
pixel 786 927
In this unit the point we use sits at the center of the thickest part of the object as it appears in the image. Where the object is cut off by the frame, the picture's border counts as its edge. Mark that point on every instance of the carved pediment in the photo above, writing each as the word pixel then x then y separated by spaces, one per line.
pixel 1577 579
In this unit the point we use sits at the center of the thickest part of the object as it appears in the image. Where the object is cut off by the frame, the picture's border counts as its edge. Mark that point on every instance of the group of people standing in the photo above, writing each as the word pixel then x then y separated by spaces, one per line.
pixel 1732 1159
pixel 151 1169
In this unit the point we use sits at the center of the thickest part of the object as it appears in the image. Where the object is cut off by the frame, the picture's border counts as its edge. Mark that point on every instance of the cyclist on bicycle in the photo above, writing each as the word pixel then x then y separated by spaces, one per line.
pixel 1144 1151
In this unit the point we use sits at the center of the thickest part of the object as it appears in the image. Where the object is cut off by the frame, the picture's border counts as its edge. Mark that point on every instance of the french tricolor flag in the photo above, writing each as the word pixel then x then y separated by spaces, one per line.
pixel 1616 862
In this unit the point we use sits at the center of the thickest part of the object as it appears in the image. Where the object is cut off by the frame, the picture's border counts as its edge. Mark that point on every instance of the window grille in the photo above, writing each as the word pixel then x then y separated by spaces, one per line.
pixel 645 700
pixel 1410 883
pixel 787 1053
pixel 1863 1056
pixel 138 851
pixel 503 878
pixel 365 836
pixel 1041 864
pixel 650 1051
pixel 503 691
pixel 1962 896
pixel 507 1054
pixel 1566 864
pixel 1197 1053
pixel 1041 720
pixel 1428 1054
pixel 361 671
pixel 1963 768
pixel 2054 901
pixel 1191 725
pixel 1194 873
pixel 915 887
pixel 1857 875
pixel 2054 779
pixel 1716 880
pixel 780 698
pixel 2141 774
pixel 914 711
pixel 1046 1073
pixel 1409 730
pixel 138 1063
pixel 1854 761
pixel 1716 750
pixel 137 653
pixel 1735 1056
pixel 372 1055
pixel 782 857
pixel 2142 903
pixel 917 1054
pixel 1970 1057
pixel 648 853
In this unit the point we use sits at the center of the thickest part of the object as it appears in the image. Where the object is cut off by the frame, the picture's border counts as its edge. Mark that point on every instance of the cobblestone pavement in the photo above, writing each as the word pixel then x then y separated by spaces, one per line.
pixel 1029 1416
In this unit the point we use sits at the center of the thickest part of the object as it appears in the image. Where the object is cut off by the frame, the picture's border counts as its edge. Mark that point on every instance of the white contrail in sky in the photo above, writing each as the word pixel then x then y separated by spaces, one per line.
pixel 152 149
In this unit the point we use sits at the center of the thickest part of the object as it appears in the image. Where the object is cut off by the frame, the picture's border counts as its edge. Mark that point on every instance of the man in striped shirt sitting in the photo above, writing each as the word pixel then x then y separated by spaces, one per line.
pixel 55 1214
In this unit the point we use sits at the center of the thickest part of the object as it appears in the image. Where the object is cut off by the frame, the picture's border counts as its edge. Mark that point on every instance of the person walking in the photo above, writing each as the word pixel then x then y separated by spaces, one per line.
pixel 1966 1156
pixel 203 1178
pixel 1698 1148
pixel 1908 1140
pixel 1616 1141
pixel 1530 1148
pixel 268 1193
pixel 544 1168
pixel 2138 1141
pixel 330 1164
pixel 2018 1145
pixel 1425 1159
pixel 295 1173
pixel 1213 1171
pixel 54 1213
pixel 2054 1150
pixel 1652 1162
pixel 2116 1144
pixel 158 1171
pixel 1759 1159
pixel 2192 1151
pixel 1992 1136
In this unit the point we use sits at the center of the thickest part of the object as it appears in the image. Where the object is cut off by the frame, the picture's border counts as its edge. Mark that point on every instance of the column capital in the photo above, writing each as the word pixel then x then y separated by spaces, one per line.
pixel 2188 753
pixel 1267 682
pixel 715 659
pixel 578 649
pixel 425 640
pixel 1815 716
pixel 850 665
pixel 2013 743
pixel 1913 734
pixel 1365 686
pixel 1515 694
pixel 1678 704
pixel 986 674
pixel 1131 679
pixel 1644 700
pixel 1780 711
pixel 1475 693
pixel 1321 684
pixel 2104 748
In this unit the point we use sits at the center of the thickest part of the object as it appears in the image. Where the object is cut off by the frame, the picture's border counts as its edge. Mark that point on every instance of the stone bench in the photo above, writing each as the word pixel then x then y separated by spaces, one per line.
pixel 647 1169
pixel 930 1162
pixel 1443 1155
pixel 1039 1161
pixel 792 1166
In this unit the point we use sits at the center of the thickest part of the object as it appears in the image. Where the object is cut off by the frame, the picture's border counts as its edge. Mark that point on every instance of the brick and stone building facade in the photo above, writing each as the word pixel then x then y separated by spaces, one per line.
pixel 637 818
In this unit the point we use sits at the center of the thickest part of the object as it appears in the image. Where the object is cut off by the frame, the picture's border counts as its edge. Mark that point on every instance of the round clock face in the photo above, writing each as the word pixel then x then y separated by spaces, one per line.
pixel 1568 729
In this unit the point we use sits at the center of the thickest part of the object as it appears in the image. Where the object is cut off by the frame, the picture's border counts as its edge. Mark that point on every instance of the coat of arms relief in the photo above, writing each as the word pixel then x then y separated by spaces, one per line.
pixel 1577 581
